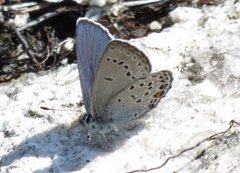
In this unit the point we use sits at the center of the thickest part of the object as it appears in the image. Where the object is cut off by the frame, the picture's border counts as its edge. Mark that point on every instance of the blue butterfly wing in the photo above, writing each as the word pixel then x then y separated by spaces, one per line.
pixel 91 41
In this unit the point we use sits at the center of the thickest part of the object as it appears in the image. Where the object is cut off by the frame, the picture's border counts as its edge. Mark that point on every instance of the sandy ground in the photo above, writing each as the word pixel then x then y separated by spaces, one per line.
pixel 202 49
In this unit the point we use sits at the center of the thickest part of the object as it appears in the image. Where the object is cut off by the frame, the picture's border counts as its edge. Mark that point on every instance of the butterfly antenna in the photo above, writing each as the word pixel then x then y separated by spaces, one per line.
pixel 52 109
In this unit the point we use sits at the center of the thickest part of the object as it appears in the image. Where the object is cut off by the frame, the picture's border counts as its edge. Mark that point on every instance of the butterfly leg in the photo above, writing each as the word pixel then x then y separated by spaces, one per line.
pixel 115 129
pixel 89 135
pixel 104 137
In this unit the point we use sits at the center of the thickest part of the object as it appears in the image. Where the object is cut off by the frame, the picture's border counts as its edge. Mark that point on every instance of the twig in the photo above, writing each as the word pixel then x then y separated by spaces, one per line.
pixel 37 7
pixel 43 18
pixel 142 2
pixel 18 6
pixel 34 23
pixel 212 137
pixel 25 46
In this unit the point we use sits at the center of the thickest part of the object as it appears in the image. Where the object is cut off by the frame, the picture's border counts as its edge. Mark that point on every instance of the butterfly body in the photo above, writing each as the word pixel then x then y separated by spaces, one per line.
pixel 118 87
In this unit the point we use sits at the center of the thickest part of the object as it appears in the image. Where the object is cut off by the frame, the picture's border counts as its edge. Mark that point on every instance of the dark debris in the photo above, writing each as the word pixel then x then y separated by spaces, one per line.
pixel 33 47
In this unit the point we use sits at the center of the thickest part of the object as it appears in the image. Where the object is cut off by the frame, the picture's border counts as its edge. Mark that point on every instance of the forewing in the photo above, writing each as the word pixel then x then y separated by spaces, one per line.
pixel 91 41
pixel 121 65
pixel 140 97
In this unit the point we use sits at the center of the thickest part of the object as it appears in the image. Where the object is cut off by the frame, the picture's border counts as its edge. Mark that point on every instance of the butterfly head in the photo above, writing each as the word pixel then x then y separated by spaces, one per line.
pixel 97 131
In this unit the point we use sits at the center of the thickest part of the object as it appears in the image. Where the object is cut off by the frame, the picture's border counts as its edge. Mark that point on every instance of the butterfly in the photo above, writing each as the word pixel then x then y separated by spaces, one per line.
pixel 116 82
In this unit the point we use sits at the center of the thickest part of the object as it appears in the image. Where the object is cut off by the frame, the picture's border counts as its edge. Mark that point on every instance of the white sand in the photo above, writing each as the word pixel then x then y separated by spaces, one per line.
pixel 202 49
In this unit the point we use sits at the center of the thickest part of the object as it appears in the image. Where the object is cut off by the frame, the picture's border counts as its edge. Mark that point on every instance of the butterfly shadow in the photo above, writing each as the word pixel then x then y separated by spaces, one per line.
pixel 67 148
